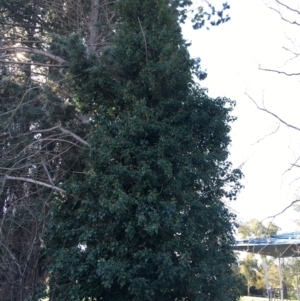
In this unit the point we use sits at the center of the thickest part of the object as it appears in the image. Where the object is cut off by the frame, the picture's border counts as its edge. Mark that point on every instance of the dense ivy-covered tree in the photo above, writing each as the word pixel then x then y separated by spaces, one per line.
pixel 148 221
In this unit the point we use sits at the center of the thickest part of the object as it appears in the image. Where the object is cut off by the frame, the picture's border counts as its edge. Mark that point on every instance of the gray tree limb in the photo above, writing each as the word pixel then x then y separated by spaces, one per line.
pixel 36 51
pixel 29 180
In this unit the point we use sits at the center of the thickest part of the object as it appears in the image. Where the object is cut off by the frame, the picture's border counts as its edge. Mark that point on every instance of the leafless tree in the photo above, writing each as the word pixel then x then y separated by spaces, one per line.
pixel 43 136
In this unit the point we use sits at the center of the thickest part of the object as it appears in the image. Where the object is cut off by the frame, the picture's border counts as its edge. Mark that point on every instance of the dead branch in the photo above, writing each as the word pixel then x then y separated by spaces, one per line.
pixel 7 177
pixel 60 127
pixel 33 63
pixel 73 135
pixel 36 51
pixel 47 172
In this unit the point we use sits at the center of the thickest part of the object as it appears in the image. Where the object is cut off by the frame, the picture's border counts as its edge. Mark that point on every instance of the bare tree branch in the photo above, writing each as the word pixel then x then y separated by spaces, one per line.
pixel 267 135
pixel 47 172
pixel 295 54
pixel 73 135
pixel 60 127
pixel 274 115
pixel 279 72
pixel 289 50
pixel 33 63
pixel 7 177
pixel 283 18
pixel 36 51
pixel 286 208
pixel 292 165
pixel 288 7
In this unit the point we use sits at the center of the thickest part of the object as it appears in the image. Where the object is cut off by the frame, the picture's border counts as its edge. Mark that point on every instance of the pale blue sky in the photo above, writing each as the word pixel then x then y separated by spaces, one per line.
pixel 232 54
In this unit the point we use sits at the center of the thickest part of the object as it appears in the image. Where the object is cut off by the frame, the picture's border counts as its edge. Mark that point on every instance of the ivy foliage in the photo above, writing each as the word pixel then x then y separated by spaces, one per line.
pixel 148 221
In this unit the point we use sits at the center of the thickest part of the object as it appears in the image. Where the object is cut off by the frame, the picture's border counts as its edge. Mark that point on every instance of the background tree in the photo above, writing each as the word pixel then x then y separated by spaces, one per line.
pixel 250 269
pixel 42 133
pixel 255 228
pixel 292 276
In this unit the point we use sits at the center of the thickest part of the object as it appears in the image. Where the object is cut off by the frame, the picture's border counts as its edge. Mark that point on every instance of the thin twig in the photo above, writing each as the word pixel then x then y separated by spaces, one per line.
pixel 289 50
pixel 144 40
pixel 271 113
pixel 292 165
pixel 279 72
pixel 267 135
pixel 284 19
pixel 288 7
pixel 287 207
